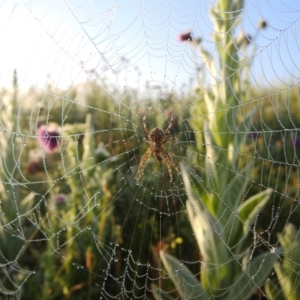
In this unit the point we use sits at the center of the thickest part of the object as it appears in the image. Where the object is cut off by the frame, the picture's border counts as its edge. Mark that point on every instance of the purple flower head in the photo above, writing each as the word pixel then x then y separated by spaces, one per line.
pixel 185 36
pixel 48 138
pixel 34 167
pixel 35 162
pixel 60 198
pixel 295 142
pixel 254 135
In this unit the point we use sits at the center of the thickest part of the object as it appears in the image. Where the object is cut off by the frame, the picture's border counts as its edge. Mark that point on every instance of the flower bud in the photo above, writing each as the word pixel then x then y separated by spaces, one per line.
pixel 262 24
pixel 185 36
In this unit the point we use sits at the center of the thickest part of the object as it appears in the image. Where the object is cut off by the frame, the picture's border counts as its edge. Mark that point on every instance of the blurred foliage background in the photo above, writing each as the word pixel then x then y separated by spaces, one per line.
pixel 79 191
pixel 75 225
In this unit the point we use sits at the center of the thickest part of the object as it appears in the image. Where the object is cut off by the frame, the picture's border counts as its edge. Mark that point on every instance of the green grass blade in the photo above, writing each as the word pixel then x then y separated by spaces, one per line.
pixel 186 283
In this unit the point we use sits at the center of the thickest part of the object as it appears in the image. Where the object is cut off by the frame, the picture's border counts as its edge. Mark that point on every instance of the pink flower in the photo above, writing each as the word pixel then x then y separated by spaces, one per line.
pixel 60 198
pixel 48 138
pixel 34 167
pixel 35 162
pixel 185 36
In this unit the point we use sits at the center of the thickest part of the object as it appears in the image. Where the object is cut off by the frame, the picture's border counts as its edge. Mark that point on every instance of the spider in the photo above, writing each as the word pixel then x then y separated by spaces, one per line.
pixel 156 138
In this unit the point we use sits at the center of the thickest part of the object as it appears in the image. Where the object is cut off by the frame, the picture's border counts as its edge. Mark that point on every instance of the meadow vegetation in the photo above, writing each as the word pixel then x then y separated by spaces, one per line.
pixel 72 218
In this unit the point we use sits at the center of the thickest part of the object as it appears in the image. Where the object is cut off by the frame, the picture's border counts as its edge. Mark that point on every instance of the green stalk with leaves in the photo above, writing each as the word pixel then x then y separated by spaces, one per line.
pixel 221 216
pixel 288 272
pixel 83 214
pixel 15 201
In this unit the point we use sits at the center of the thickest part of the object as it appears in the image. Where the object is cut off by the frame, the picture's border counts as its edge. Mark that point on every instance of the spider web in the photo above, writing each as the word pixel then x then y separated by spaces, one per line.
pixel 77 78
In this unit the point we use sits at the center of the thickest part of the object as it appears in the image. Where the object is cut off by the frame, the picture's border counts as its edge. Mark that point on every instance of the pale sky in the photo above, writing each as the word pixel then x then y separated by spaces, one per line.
pixel 130 40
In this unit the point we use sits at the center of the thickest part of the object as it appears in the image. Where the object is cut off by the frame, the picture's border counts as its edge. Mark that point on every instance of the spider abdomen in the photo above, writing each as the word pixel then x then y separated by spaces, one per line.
pixel 158 158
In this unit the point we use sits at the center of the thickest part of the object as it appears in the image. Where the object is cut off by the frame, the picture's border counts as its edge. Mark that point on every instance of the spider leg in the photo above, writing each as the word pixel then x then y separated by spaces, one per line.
pixel 168 130
pixel 145 125
pixel 144 159
pixel 146 141
pixel 169 163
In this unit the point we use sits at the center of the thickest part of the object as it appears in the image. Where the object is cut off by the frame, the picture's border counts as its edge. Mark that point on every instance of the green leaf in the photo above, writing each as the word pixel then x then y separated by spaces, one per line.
pixel 289 238
pixel 210 64
pixel 253 277
pixel 242 132
pixel 288 272
pixel 273 292
pixel 217 267
pixel 249 209
pixel 241 222
pixel 27 203
pixel 196 190
pixel 208 235
pixel 288 285
pixel 186 283
pixel 211 157
pixel 233 194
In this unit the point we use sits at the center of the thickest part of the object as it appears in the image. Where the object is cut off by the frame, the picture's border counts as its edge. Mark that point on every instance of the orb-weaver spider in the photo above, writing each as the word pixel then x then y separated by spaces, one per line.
pixel 156 138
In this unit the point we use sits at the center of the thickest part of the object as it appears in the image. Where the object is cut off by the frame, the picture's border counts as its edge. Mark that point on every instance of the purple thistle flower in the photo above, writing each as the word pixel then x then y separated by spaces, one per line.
pixel 48 138
pixel 35 162
pixel 185 36
pixel 254 135
pixel 295 142
pixel 34 167
pixel 60 198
